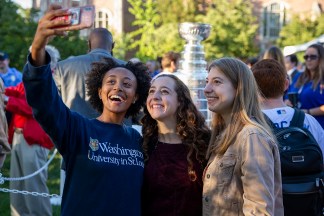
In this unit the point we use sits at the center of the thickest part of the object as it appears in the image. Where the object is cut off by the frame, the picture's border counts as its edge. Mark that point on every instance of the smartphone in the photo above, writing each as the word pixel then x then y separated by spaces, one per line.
pixel 80 17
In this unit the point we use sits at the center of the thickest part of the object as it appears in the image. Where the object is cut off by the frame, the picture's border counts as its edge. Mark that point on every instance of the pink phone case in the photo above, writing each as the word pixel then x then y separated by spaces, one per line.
pixel 87 16
pixel 81 17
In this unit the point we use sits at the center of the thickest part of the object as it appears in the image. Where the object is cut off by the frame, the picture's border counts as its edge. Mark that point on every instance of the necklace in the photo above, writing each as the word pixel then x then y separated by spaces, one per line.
pixel 169 138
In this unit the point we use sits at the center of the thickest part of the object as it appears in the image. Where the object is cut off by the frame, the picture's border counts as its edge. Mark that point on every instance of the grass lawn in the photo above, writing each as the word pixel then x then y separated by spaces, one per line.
pixel 53 184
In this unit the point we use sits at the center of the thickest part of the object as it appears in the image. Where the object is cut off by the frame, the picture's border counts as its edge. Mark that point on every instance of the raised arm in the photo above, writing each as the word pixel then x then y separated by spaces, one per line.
pixel 47 28
pixel 41 91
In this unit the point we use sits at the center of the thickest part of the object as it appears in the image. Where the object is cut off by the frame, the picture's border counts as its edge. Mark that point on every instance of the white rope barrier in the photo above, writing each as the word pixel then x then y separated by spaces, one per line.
pixel 3 179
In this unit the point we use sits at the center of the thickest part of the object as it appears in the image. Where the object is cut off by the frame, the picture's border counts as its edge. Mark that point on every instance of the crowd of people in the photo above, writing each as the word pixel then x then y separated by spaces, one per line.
pixel 174 163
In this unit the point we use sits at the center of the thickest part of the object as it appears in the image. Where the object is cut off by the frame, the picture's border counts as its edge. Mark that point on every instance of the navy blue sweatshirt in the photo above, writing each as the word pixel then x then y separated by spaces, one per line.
pixel 104 162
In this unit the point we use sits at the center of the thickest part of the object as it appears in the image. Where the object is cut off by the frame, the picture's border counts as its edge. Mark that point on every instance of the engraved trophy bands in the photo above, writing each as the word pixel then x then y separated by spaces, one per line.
pixel 192 66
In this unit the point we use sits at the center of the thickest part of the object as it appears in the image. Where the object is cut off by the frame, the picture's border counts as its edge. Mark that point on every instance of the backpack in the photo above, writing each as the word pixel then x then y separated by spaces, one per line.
pixel 301 168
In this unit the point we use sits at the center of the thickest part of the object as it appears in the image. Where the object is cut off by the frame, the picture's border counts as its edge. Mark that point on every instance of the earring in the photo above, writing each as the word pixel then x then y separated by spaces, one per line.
pixel 134 101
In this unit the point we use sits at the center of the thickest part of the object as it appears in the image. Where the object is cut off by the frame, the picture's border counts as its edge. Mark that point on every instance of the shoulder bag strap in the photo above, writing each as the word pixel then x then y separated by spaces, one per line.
pixel 298 119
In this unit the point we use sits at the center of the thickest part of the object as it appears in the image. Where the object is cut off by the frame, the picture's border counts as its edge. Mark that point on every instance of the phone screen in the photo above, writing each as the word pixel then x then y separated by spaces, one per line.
pixel 79 18
pixel 73 18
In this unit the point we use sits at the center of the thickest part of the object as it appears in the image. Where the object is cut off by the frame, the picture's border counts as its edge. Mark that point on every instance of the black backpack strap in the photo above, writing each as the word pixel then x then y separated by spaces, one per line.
pixel 298 119
pixel 268 120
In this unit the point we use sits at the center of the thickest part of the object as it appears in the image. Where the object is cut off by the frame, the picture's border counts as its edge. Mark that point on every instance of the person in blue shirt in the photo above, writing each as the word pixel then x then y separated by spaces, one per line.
pixel 310 83
pixel 104 159
pixel 10 76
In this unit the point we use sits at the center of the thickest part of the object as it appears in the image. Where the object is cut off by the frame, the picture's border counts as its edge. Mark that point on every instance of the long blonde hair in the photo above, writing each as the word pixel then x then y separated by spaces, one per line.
pixel 245 110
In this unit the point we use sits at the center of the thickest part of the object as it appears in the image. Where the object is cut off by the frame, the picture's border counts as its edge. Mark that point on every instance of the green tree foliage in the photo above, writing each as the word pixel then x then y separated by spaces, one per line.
pixel 299 31
pixel 16 32
pixel 233 29
pixel 155 36
pixel 174 12
pixel 146 21
pixel 121 46
pixel 177 11
pixel 233 26
pixel 320 25
pixel 167 39
pixel 70 45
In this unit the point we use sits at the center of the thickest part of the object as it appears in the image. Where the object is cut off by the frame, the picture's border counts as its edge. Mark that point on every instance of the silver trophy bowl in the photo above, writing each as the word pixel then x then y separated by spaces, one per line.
pixel 194 31
pixel 192 65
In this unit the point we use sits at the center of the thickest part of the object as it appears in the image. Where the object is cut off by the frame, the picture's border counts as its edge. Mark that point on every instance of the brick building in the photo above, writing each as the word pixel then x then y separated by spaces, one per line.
pixel 110 14
pixel 272 14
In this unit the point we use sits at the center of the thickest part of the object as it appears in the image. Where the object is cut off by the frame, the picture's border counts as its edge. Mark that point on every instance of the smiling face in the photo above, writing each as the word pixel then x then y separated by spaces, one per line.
pixel 118 91
pixel 219 92
pixel 162 101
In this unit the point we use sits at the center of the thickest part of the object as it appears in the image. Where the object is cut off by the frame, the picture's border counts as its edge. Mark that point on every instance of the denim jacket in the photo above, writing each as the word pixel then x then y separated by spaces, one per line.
pixel 246 180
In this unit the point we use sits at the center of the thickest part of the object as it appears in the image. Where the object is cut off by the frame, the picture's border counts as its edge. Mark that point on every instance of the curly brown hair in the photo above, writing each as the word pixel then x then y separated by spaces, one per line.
pixel 99 69
pixel 191 127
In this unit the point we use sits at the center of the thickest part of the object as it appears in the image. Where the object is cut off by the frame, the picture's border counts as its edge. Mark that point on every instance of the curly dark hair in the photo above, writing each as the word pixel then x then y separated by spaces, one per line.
pixel 191 127
pixel 99 69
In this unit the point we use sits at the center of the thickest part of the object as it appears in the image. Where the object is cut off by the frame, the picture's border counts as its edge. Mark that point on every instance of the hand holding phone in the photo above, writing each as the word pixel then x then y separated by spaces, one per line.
pixel 79 18
pixel 48 28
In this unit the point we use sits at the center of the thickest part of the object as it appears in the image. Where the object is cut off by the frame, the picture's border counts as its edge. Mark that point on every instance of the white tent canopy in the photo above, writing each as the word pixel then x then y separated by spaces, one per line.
pixel 288 50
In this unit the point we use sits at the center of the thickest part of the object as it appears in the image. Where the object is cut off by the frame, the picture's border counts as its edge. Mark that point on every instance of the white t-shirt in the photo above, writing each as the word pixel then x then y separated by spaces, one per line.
pixel 138 128
pixel 282 117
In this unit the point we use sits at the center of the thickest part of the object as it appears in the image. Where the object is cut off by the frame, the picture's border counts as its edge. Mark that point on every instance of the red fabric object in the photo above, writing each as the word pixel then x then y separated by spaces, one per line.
pixel 22 117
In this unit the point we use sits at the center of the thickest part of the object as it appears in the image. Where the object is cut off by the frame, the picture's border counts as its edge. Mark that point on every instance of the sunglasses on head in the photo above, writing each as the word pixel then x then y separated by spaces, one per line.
pixel 310 57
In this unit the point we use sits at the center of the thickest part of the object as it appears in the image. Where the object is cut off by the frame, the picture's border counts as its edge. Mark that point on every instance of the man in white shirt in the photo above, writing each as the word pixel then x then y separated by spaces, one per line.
pixel 291 62
pixel 272 80
pixel 169 63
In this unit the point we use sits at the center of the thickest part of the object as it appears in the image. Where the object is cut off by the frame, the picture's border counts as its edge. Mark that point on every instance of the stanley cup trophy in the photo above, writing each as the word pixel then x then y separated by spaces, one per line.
pixel 192 66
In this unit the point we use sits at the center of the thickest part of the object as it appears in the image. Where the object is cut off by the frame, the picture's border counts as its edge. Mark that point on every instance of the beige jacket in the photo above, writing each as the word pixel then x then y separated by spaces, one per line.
pixel 4 145
pixel 246 180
